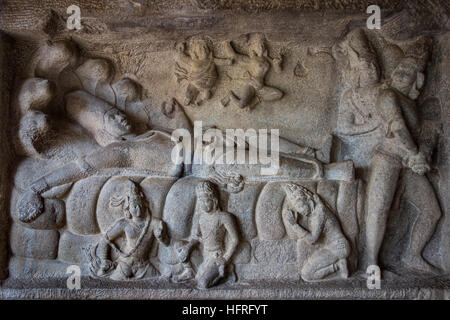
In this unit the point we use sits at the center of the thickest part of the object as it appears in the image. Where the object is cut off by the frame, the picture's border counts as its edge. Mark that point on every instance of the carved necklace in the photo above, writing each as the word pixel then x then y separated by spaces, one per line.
pixel 358 100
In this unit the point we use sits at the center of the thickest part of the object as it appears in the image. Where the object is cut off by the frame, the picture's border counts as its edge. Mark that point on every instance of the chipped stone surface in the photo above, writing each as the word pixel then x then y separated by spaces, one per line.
pixel 88 123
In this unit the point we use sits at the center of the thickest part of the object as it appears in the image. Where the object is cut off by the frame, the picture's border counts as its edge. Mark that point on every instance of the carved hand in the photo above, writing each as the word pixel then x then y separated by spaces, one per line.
pixel 106 265
pixel 291 217
pixel 222 270
pixel 161 234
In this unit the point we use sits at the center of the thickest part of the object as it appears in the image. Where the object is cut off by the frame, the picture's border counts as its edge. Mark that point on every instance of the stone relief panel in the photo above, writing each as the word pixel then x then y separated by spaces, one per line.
pixel 256 64
pixel 381 110
pixel 196 70
pixel 104 180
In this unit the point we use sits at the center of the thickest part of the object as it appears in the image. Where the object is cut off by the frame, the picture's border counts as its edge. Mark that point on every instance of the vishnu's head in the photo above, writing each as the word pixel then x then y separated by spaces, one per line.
pixel 103 121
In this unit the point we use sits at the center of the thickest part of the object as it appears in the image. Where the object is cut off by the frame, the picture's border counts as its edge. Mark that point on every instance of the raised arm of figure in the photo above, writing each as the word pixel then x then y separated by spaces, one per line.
pixel 115 231
pixel 31 205
pixel 294 227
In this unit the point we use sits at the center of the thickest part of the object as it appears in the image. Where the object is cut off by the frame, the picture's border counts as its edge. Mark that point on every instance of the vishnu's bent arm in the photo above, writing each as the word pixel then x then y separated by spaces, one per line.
pixel 113 156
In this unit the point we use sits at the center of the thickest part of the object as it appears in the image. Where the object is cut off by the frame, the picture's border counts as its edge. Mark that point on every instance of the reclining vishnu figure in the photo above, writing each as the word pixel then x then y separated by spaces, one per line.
pixel 139 229
pixel 311 222
pixel 150 152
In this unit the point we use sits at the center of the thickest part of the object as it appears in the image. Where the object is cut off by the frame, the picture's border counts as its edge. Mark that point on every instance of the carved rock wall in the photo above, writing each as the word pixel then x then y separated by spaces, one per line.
pixel 87 116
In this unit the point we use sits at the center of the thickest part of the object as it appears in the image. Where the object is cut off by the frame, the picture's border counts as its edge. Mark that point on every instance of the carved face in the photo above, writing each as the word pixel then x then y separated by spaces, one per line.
pixel 368 72
pixel 116 123
pixel 136 207
pixel 406 79
pixel 302 206
pixel 207 204
pixel 199 50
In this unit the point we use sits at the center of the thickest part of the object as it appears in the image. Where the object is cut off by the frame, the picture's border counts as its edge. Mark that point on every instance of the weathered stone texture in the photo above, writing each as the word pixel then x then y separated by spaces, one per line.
pixel 99 128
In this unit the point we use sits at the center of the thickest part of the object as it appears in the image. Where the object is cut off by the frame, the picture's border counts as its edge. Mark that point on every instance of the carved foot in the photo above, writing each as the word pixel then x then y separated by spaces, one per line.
pixel 342 268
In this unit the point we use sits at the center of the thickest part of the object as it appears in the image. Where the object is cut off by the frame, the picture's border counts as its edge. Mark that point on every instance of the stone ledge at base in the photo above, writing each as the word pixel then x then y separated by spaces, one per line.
pixel 254 293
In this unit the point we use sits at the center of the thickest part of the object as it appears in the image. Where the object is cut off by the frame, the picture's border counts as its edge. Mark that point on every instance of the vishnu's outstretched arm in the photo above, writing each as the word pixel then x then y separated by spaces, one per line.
pixel 112 156
pixel 31 205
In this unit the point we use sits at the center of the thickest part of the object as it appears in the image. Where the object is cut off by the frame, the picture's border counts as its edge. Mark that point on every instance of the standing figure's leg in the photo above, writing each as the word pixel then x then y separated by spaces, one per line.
pixel 383 177
pixel 420 192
